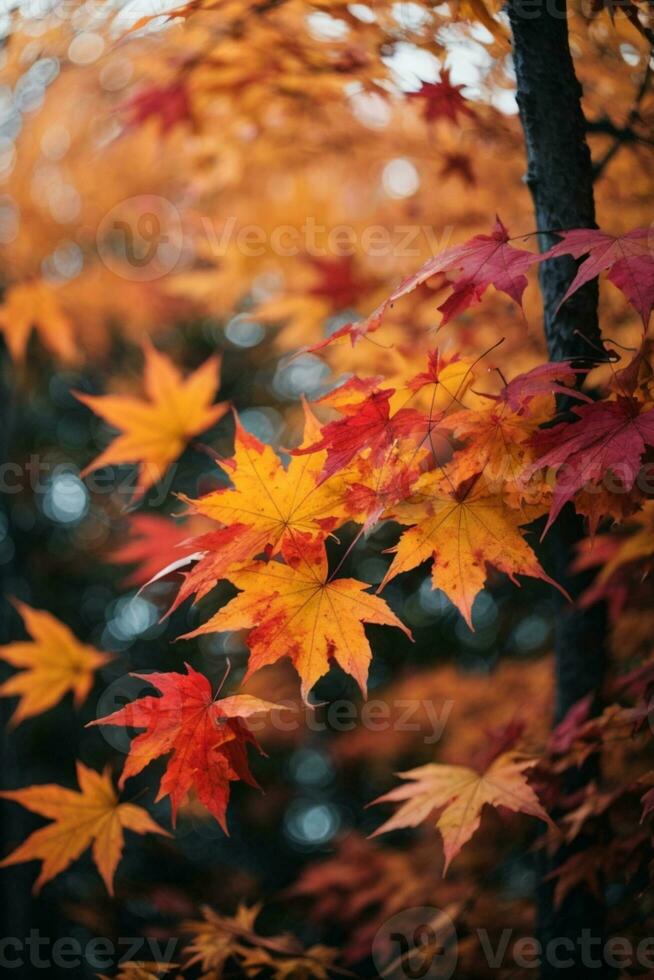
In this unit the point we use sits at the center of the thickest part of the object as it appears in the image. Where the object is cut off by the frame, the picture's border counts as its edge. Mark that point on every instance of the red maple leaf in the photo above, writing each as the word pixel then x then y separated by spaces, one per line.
pixel 606 436
pixel 369 425
pixel 628 259
pixel 152 543
pixel 338 281
pixel 206 738
pixel 442 100
pixel 545 379
pixel 482 261
pixel 169 104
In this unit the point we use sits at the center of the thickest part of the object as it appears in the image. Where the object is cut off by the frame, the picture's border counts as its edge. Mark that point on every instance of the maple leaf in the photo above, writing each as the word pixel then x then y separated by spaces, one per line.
pixel 442 100
pixel 450 375
pixel 153 542
pixel 34 305
pixel 460 793
pixel 266 506
pixel 367 425
pixel 482 261
pixel 546 379
pixel 459 165
pixel 463 529
pixel 579 869
pixel 54 663
pixel 338 281
pixel 168 104
pixel 609 435
pixel 156 429
pixel 296 610
pixel 628 259
pixel 500 432
pixel 219 938
pixel 205 737
pixel 91 817
pixel 637 546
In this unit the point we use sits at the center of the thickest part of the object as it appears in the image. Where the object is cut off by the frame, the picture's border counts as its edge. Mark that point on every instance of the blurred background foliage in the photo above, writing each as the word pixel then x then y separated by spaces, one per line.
pixel 233 117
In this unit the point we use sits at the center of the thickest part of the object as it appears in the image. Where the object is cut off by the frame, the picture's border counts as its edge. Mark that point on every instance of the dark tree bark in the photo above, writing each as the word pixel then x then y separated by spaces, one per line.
pixel 560 178
pixel 15 885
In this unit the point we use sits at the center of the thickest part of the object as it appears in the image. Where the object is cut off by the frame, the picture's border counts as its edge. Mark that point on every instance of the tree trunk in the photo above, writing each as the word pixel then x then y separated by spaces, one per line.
pixel 560 179
pixel 15 824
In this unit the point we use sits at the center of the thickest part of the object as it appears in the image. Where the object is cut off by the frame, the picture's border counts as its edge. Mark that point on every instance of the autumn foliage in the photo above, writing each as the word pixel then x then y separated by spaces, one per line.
pixel 333 467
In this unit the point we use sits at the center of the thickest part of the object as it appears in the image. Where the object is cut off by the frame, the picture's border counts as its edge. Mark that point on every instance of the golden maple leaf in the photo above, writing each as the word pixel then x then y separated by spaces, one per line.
pixel 55 662
pixel 463 529
pixel 219 938
pixel 34 305
pixel 155 430
pixel 296 610
pixel 216 938
pixel 90 817
pixel 277 503
pixel 460 793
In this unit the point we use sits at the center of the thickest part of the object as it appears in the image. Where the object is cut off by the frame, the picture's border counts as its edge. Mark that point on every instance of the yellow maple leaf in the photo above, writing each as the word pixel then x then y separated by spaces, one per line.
pixel 34 305
pixel 219 938
pixel 460 793
pixel 54 663
pixel 90 817
pixel 499 444
pixel 463 529
pixel 297 611
pixel 155 430
pixel 267 506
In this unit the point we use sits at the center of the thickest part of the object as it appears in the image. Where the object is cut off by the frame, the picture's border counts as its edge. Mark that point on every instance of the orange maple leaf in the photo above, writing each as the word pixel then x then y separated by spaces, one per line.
pixel 463 529
pixel 267 505
pixel 155 429
pixel 55 662
pixel 34 305
pixel 90 817
pixel 207 738
pixel 460 793
pixel 296 610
